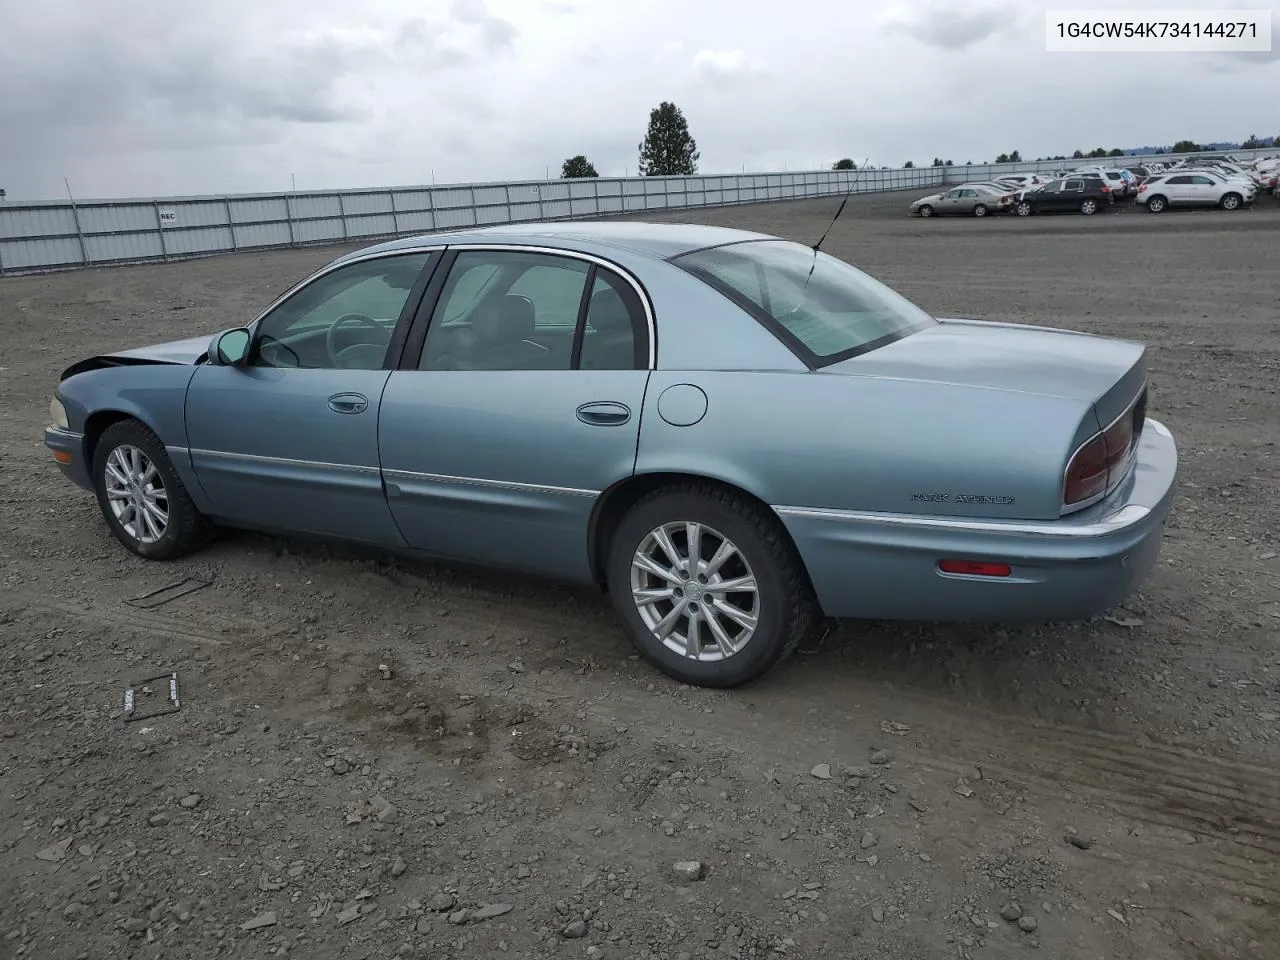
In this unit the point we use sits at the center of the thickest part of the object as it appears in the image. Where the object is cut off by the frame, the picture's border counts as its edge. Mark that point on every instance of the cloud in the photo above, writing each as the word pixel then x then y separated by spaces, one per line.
pixel 725 66
pixel 157 97
pixel 952 25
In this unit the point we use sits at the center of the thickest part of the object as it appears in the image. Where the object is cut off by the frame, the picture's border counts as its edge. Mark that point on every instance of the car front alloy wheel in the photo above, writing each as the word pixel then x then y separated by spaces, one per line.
pixel 708 585
pixel 141 495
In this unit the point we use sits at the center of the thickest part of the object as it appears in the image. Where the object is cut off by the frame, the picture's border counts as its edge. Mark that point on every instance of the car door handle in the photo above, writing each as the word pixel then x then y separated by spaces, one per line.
pixel 604 413
pixel 348 403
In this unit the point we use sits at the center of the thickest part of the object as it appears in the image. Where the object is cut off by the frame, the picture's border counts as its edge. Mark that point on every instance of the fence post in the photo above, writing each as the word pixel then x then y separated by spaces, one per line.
pixel 164 245
pixel 595 192
pixel 475 210
pixel 231 224
pixel 84 250
pixel 506 192
pixel 342 215
pixel 542 215
pixel 288 208
pixel 431 207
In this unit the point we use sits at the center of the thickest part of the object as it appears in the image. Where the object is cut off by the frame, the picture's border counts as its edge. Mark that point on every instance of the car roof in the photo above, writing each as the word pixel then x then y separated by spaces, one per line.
pixel 658 240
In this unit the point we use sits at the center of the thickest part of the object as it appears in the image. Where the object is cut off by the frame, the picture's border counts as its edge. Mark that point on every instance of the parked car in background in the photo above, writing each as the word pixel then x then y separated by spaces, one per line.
pixel 535 397
pixel 968 199
pixel 1024 181
pixel 1180 188
pixel 1086 195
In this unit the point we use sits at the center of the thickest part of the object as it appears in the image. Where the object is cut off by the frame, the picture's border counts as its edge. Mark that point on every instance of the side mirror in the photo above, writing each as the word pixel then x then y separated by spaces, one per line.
pixel 230 348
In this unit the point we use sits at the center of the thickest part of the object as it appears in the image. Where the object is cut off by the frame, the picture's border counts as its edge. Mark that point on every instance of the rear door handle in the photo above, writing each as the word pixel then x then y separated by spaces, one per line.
pixel 348 403
pixel 604 413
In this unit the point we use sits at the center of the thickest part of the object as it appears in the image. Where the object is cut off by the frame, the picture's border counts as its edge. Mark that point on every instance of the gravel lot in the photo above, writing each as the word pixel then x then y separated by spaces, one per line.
pixel 376 758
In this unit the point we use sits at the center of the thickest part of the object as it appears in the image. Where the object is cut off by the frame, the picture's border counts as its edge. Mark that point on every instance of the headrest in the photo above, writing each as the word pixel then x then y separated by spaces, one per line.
pixel 510 318
pixel 607 311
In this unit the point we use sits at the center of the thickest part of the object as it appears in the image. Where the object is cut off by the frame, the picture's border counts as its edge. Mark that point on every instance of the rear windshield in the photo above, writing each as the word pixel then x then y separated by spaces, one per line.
pixel 824 309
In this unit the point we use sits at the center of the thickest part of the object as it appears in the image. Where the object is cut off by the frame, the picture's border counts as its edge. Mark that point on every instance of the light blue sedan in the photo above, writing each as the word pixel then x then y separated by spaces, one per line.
pixel 734 435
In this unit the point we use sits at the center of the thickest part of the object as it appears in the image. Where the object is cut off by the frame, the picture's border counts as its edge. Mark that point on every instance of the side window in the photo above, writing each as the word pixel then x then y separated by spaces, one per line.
pixel 1076 185
pixel 506 310
pixel 1178 180
pixel 615 335
pixel 341 321
pixel 1202 181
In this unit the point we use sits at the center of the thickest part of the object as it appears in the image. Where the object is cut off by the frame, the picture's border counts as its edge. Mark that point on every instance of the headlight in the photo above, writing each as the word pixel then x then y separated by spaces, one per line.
pixel 58 413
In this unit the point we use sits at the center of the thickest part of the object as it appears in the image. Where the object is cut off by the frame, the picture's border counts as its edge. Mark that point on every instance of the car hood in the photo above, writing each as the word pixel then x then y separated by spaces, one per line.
pixel 1014 357
pixel 183 352
pixel 173 351
pixel 931 198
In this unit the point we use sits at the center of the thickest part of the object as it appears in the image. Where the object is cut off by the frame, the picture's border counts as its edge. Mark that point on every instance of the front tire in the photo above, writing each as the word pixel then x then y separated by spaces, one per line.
pixel 1232 201
pixel 1023 209
pixel 1089 207
pixel 1157 204
pixel 926 211
pixel 141 496
pixel 708 585
pixel 980 210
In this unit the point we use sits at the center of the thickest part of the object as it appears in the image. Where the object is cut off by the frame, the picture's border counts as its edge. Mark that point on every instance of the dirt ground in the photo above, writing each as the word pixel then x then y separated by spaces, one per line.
pixel 376 758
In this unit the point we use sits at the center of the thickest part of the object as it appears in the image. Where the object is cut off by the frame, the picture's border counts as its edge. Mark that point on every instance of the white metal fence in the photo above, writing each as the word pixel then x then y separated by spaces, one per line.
pixel 65 234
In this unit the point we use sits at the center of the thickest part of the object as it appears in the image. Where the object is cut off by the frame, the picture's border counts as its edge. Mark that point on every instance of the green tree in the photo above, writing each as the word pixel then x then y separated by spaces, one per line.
pixel 1003 158
pixel 937 161
pixel 845 164
pixel 1116 152
pixel 1185 146
pixel 1253 143
pixel 948 164
pixel 576 167
pixel 668 150
pixel 1077 155
pixel 908 165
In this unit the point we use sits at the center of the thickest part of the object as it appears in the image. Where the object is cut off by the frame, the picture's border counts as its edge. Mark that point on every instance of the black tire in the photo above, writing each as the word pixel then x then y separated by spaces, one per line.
pixel 787 608
pixel 980 210
pixel 187 528
pixel 1157 204
pixel 1088 206
pixel 926 211
pixel 1232 201
pixel 1023 209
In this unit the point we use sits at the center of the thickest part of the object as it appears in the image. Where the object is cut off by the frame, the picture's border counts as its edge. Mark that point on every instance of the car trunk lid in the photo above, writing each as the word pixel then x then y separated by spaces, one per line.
pixel 1104 372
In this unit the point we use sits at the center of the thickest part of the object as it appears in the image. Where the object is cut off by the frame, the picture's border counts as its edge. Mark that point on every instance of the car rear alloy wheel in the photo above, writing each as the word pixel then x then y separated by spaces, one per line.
pixel 980 210
pixel 141 495
pixel 695 591
pixel 1023 209
pixel 708 584
pixel 1089 207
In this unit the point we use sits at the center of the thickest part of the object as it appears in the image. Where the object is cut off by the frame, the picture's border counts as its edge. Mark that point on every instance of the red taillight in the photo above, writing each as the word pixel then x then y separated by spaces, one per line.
pixel 1105 188
pixel 975 568
pixel 1102 459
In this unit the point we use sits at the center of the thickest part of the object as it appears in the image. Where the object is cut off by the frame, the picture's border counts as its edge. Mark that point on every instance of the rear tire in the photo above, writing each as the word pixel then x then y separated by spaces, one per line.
pixel 1023 209
pixel 142 498
pixel 980 210
pixel 1157 204
pixel 1089 207
pixel 752 631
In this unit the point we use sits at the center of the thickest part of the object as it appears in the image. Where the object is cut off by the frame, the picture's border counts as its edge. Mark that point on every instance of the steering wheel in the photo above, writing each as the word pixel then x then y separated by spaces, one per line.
pixel 346 320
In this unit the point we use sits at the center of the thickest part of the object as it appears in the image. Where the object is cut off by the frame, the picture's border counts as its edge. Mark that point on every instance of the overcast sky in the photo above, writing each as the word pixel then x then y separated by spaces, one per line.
pixel 169 97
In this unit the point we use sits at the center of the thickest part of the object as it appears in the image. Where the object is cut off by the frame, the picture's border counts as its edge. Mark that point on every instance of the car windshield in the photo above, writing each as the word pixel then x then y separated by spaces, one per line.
pixel 823 308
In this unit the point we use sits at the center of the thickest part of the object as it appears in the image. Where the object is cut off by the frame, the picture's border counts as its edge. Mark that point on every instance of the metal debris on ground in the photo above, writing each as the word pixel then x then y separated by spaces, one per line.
pixel 171 703
pixel 167 594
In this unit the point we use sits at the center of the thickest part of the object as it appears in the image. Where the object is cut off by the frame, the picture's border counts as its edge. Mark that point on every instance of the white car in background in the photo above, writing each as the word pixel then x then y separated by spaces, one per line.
pixel 1194 188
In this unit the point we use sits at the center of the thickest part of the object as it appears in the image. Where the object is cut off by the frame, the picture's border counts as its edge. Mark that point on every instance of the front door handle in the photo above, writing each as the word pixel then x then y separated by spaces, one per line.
pixel 348 403
pixel 604 413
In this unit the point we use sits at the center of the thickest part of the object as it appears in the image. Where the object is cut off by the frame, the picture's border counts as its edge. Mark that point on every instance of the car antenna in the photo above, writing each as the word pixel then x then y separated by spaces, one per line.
pixel 840 209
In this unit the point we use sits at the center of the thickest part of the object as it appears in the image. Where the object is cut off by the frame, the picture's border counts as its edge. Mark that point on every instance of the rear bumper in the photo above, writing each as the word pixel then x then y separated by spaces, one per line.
pixel 885 566
pixel 68 453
